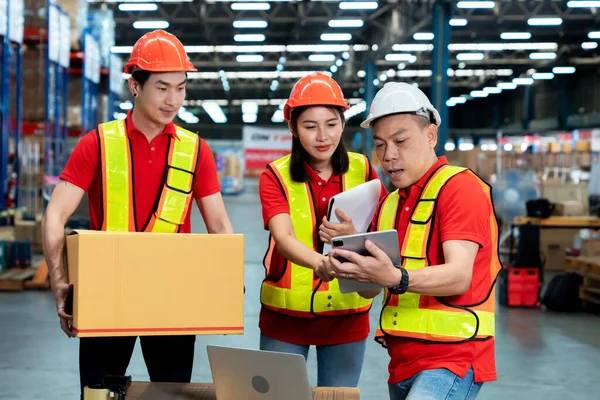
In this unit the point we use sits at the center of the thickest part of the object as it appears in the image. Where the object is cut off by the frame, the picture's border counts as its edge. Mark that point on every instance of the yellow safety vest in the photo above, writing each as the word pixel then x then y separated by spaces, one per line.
pixel 172 202
pixel 431 318
pixel 298 292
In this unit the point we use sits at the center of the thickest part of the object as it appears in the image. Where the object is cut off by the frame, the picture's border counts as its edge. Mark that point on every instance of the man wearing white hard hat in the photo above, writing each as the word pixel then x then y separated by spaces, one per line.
pixel 438 306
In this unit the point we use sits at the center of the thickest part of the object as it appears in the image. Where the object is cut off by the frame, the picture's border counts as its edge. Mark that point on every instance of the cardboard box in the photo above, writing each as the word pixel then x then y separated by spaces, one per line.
pixel 144 284
pixel 590 247
pixel 553 245
pixel 569 209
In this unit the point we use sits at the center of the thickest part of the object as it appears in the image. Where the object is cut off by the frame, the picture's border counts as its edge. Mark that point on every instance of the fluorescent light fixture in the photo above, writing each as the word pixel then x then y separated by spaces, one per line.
pixel 523 81
pixel 476 4
pixel 539 76
pixel 583 4
pixel 412 47
pixel 214 111
pixel 150 24
pixel 492 90
pixel 542 56
pixel 400 57
pixel 594 35
pixel 469 56
pixel 563 70
pixel 449 146
pixel 250 6
pixel 355 110
pixel 332 37
pixel 126 105
pixel 333 69
pixel 458 22
pixel 138 7
pixel 507 85
pixel 346 23
pixel 120 115
pixel 548 46
pixel 361 74
pixel 479 93
pixel 515 36
pixel 423 36
pixel 250 24
pixel 249 107
pixel 544 21
pixel 249 38
pixel 358 5
pixel 277 116
pixel 346 55
pixel 249 58
pixel 121 49
pixel 459 100
pixel 466 146
pixel 249 118
pixel 321 58
pixel 450 103
pixel 589 45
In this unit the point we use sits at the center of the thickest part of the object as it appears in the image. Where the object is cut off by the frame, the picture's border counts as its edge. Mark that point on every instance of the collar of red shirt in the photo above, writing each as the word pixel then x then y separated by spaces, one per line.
pixel 169 128
pixel 314 177
pixel 417 186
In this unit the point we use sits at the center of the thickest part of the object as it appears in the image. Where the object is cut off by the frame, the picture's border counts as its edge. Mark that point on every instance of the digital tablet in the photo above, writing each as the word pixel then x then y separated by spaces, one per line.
pixel 385 240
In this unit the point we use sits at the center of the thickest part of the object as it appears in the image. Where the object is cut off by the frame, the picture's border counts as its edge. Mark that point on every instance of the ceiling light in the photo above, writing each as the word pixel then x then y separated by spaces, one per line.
pixel 479 93
pixel 250 6
pixel 339 63
pixel 249 107
pixel 538 76
pixel 492 90
pixel 250 24
pixel 594 35
pixel 333 69
pixel 249 118
pixel 412 47
pixel 249 58
pixel 249 38
pixel 358 5
pixel 589 45
pixel 522 81
pixel 450 103
pixel 391 73
pixel 470 56
pixel 449 146
pixel 544 21
pixel 458 22
pixel 507 85
pixel 138 7
pixel 214 111
pixel 476 4
pixel 321 58
pixel 549 46
pixel 277 116
pixel 361 74
pixel 345 55
pixel 423 36
pixel 150 24
pixel 329 37
pixel 346 23
pixel 542 56
pixel 515 35
pixel 400 57
pixel 563 70
pixel 458 100
pixel 583 4
pixel 126 105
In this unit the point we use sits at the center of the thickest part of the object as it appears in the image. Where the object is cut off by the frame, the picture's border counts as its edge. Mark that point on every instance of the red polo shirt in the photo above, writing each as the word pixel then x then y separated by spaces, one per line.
pixel 149 160
pixel 320 331
pixel 462 213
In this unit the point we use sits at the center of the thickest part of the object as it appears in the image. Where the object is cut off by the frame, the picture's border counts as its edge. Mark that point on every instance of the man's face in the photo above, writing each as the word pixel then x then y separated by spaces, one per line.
pixel 162 96
pixel 404 144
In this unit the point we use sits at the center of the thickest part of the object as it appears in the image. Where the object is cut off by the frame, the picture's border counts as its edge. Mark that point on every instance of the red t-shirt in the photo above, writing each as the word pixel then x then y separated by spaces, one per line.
pixel 149 160
pixel 462 213
pixel 319 331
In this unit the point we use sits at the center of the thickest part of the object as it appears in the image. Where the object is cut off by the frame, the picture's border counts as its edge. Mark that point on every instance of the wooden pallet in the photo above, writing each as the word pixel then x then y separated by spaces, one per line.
pixel 589 269
pixel 18 279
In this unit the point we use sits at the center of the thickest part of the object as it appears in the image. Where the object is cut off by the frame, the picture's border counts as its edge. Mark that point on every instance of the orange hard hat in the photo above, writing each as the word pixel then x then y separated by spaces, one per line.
pixel 316 89
pixel 159 51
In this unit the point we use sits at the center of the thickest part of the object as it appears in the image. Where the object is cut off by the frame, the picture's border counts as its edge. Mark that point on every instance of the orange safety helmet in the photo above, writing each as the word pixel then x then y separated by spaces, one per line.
pixel 316 89
pixel 159 51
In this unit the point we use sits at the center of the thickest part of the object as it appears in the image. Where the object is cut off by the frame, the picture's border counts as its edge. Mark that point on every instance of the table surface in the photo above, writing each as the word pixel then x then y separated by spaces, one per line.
pixel 583 221
pixel 206 391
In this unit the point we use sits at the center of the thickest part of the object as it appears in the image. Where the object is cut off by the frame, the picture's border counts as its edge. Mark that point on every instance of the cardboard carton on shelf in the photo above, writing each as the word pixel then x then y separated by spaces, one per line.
pixel 144 284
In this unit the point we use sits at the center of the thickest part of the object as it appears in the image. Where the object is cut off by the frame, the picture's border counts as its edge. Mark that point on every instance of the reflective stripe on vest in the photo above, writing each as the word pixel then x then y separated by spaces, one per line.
pixel 175 197
pixel 425 317
pixel 298 292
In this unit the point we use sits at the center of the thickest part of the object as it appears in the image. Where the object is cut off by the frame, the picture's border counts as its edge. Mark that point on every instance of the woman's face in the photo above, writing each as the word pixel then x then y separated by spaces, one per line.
pixel 319 130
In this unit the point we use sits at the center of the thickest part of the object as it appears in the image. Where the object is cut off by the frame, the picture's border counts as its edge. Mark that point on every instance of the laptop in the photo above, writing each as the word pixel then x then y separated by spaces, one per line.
pixel 257 374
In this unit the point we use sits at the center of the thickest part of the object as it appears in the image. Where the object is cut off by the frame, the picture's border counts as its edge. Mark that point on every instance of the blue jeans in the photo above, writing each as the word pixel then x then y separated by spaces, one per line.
pixel 436 384
pixel 339 365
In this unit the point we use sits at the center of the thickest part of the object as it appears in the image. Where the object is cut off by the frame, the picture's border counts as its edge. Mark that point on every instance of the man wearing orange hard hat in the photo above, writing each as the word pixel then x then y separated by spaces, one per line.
pixel 125 167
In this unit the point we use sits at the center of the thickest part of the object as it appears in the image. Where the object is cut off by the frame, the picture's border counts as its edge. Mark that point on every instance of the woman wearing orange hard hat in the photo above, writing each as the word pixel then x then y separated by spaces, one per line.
pixel 123 166
pixel 301 304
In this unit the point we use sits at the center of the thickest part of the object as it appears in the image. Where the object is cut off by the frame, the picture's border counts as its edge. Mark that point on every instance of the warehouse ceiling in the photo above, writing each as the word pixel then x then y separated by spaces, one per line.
pixel 288 39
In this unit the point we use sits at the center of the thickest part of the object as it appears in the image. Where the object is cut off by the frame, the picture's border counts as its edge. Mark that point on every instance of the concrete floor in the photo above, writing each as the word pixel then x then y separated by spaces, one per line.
pixel 540 355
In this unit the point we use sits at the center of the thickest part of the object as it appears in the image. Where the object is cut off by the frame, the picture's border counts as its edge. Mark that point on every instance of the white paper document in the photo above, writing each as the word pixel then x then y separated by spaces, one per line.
pixel 359 203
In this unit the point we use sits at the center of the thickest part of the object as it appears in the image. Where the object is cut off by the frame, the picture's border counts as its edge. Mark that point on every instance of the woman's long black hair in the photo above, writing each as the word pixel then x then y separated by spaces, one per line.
pixel 339 159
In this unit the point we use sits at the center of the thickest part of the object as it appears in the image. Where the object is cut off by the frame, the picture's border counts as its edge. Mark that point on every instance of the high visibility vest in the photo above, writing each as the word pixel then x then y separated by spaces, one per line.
pixel 175 196
pixel 298 292
pixel 431 318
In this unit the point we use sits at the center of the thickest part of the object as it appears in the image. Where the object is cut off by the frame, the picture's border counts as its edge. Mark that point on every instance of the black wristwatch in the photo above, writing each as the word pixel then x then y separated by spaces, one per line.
pixel 403 285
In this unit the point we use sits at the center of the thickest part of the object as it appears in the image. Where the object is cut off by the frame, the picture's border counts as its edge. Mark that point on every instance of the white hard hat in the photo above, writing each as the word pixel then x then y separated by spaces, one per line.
pixel 399 97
